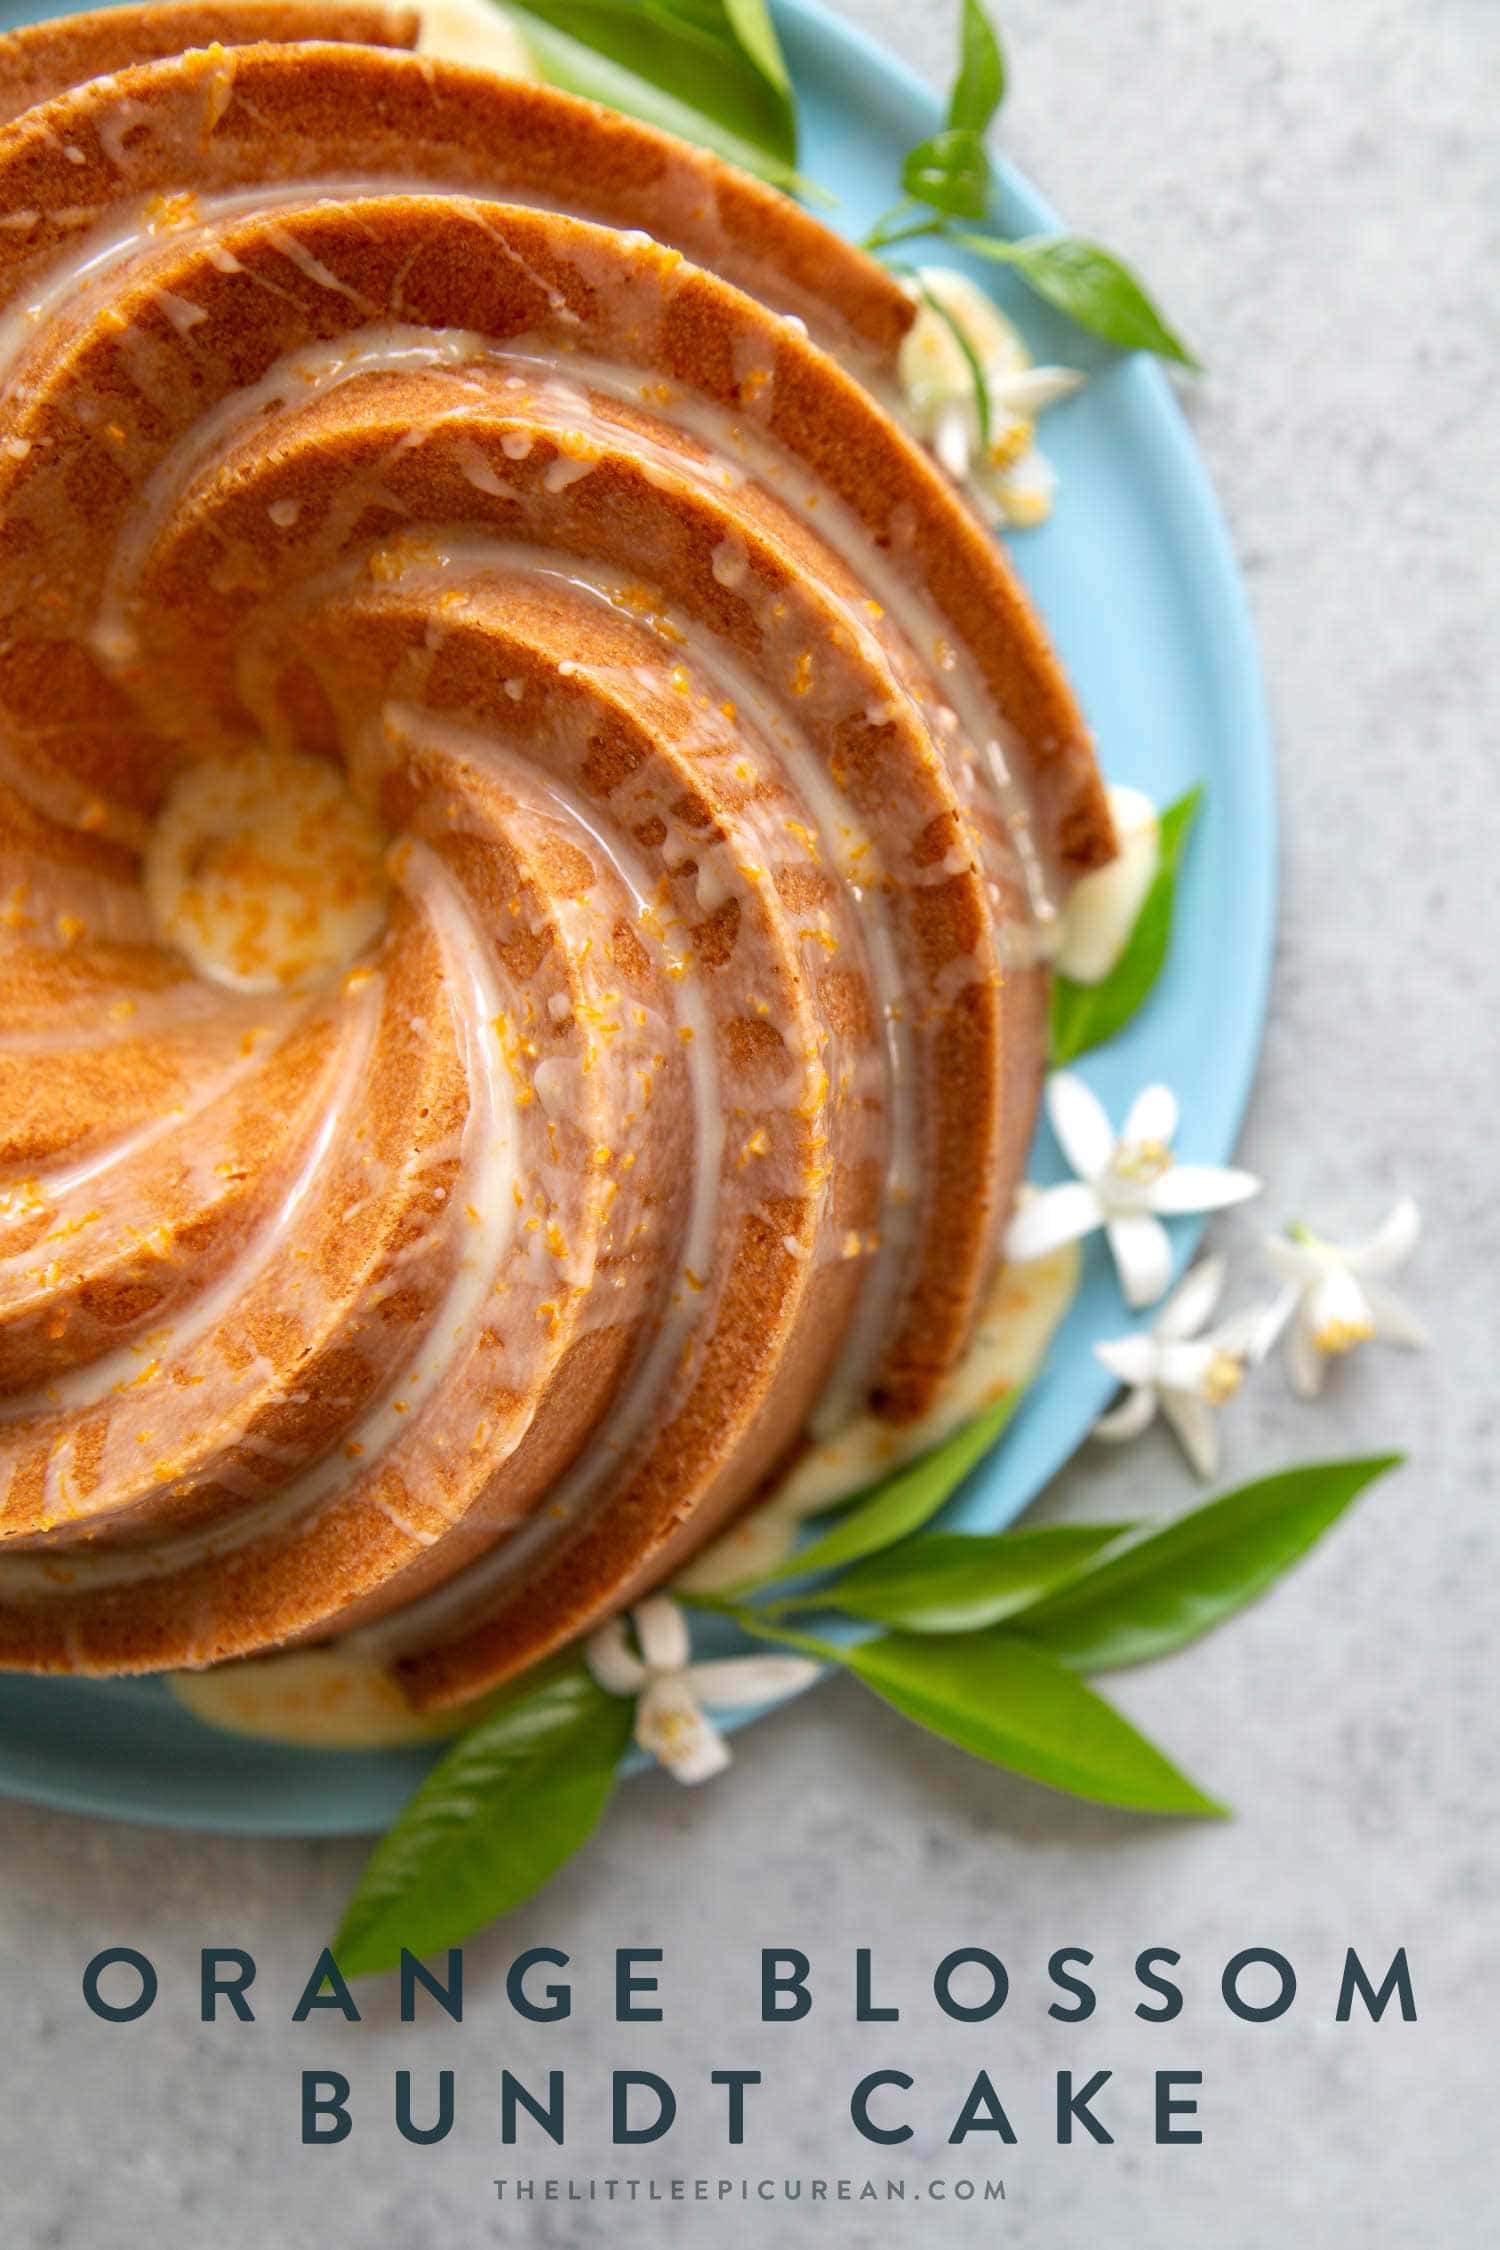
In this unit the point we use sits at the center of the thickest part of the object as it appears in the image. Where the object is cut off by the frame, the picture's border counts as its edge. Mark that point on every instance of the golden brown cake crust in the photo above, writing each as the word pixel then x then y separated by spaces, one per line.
pixel 729 774
pixel 44 59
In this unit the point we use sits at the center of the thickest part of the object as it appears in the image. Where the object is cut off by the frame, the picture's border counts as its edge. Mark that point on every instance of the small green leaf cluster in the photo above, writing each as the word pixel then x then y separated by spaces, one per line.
pixel 990 1634
pixel 713 71
pixel 948 182
pixel 987 1641
pixel 951 172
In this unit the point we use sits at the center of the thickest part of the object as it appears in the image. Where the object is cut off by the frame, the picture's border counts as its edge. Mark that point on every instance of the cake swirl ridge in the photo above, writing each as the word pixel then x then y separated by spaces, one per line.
pixel 613 801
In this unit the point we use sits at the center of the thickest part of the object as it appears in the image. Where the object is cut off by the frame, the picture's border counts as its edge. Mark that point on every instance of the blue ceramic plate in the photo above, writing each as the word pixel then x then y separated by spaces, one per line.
pixel 1136 582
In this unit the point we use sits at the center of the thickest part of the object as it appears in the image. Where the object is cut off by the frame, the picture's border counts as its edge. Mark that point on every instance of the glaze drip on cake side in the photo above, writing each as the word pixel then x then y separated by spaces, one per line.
pixel 468 442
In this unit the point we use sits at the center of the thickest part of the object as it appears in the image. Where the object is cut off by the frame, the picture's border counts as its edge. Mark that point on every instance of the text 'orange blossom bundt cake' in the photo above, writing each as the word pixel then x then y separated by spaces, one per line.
pixel 531 814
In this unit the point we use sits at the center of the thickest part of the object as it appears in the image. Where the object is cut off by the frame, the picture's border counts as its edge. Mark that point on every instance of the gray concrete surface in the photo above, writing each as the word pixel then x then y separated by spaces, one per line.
pixel 1310 189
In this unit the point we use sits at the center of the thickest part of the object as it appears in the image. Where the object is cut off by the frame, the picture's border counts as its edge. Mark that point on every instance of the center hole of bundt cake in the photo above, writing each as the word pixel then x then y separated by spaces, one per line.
pixel 266 871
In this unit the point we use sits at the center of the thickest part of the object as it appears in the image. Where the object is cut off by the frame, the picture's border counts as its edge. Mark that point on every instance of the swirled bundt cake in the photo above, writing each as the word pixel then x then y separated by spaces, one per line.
pixel 530 814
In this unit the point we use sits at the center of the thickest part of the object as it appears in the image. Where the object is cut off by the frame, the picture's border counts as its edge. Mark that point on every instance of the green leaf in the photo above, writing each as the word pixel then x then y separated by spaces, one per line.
pixel 979 88
pixel 1165 1587
pixel 903 1501
pixel 951 172
pixel 956 1582
pixel 750 21
pixel 567 64
pixel 514 1798
pixel 1013 1704
pixel 1084 1015
pixel 1088 283
pixel 710 70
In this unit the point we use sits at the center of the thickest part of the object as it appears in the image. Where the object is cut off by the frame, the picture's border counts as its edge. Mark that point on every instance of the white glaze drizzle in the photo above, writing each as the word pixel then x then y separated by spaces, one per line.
pixel 562 405
pixel 488 1170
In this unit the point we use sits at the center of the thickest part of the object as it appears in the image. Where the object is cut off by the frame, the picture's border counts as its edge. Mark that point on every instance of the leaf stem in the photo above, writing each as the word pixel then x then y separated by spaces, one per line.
pixel 895 226
pixel 752 1622
pixel 721 1605
pixel 787 1605
pixel 971 360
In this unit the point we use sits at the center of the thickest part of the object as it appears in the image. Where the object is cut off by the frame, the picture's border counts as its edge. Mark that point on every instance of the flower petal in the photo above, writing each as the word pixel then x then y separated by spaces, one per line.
pixel 729 1683
pixel 1130 1359
pixel 1143 1256
pixel 1305 1363
pixel 1056 1216
pixel 1296 1262
pixel 1337 1312
pixel 1104 905
pixel 662 1631
pixel 1135 1412
pixel 1152 1116
pixel 1187 1366
pixel 1201 1187
pixel 670 1727
pixel 613 1662
pixel 1249 1335
pixel 1395 1323
pixel 1026 488
pixel 951 441
pixel 1391 1244
pixel 1192 1302
pixel 1196 1426
pixel 1029 391
pixel 1084 1132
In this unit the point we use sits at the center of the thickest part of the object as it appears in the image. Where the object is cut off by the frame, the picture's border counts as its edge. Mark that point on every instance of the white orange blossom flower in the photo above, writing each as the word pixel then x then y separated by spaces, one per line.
pixel 1126 1184
pixel 1335 1298
pixel 671 1691
pixel 1183 1369
pixel 991 449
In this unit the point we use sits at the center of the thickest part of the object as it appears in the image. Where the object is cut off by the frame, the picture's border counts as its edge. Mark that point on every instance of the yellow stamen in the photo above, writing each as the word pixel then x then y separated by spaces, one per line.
pixel 1221 1378
pixel 1336 1337
pixel 1142 1161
